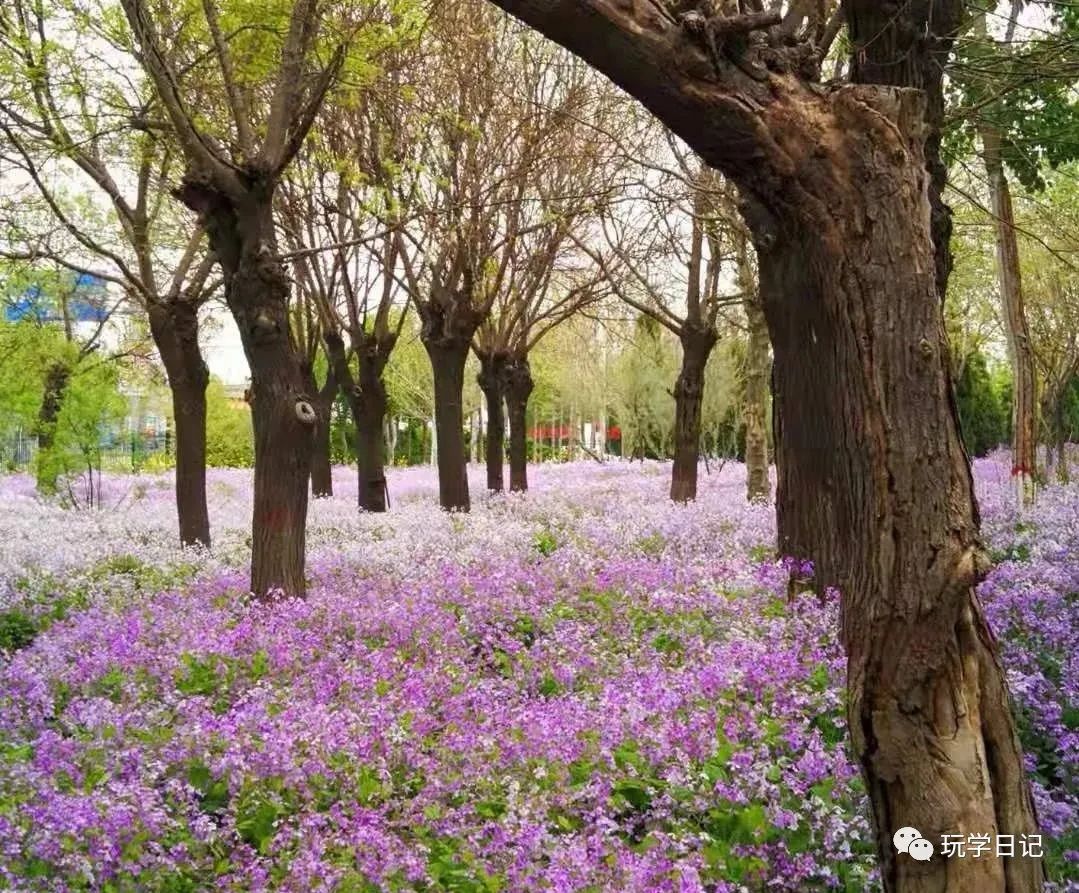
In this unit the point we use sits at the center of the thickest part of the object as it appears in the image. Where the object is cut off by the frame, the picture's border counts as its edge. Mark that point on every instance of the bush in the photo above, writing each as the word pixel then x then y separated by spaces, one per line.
pixel 983 411
pixel 230 440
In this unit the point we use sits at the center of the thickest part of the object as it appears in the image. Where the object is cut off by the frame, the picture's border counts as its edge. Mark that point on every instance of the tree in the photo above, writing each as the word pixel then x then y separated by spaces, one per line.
pixel 353 291
pixel 841 189
pixel 461 205
pixel 1013 95
pixel 681 227
pixel 72 310
pixel 756 374
pixel 1047 232
pixel 92 121
pixel 232 172
pixel 298 216
pixel 65 392
pixel 544 279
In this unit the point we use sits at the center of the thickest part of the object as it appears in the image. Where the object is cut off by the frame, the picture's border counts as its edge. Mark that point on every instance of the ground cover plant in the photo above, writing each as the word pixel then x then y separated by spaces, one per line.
pixel 582 688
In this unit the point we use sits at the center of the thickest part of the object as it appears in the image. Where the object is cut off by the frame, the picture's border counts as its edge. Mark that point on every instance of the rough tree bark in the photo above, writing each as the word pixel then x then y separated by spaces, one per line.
pixel 174 326
pixel 448 326
pixel 368 402
pixel 517 386
pixel 229 181
pixel 57 377
pixel 697 344
pixel 873 478
pixel 241 233
pixel 1020 352
pixel 755 410
pixel 491 382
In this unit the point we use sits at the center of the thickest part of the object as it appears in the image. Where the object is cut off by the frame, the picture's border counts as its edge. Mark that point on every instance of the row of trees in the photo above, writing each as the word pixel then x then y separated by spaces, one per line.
pixel 464 176
pixel 342 160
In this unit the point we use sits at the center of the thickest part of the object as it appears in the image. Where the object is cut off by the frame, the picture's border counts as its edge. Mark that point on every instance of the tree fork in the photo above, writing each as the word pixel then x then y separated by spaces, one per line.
pixel 449 322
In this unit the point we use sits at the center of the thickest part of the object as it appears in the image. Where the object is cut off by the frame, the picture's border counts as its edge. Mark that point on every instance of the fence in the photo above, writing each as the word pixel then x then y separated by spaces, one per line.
pixel 118 451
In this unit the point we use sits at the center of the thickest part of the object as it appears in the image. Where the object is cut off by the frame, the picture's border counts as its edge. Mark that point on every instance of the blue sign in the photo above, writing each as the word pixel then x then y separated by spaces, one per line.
pixel 86 303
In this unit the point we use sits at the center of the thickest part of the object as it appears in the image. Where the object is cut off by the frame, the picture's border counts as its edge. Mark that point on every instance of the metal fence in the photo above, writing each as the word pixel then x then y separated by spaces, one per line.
pixel 117 450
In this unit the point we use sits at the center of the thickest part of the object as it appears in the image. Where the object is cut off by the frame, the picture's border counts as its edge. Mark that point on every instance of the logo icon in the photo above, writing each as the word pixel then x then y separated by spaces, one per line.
pixel 911 842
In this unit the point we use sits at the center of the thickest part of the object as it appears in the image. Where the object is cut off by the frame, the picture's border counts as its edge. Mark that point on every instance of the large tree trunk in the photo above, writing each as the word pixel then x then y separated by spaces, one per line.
pixel 874 484
pixel 284 419
pixel 448 368
pixel 755 410
pixel 875 487
pixel 174 327
pixel 518 384
pixel 321 461
pixel 57 378
pixel 490 380
pixel 697 344
pixel 1024 417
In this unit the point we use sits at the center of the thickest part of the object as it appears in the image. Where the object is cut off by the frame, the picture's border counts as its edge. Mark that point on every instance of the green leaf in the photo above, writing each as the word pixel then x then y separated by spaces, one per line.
pixel 256 824
pixel 634 792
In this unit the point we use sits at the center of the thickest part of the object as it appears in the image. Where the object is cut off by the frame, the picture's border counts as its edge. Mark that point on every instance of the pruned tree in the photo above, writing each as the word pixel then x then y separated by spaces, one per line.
pixel 666 260
pixel 462 209
pixel 234 162
pixel 544 278
pixel 346 272
pixel 841 188
pixel 86 121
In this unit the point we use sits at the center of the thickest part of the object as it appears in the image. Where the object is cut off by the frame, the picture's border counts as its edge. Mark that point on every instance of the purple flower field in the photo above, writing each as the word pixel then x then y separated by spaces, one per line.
pixel 584 688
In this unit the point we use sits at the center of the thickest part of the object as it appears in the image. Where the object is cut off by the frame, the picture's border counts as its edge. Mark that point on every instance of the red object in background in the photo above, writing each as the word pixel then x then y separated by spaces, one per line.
pixel 546 432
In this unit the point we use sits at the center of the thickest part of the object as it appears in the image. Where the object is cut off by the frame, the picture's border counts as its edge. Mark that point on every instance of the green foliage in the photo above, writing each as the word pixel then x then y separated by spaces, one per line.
pixel 86 394
pixel 983 412
pixel 26 349
pixel 645 373
pixel 545 542
pixel 230 439
pixel 991 83
pixel 92 405
pixel 17 630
